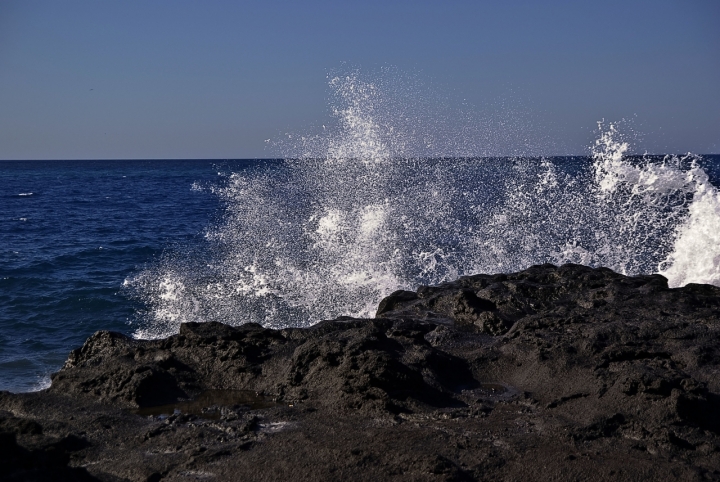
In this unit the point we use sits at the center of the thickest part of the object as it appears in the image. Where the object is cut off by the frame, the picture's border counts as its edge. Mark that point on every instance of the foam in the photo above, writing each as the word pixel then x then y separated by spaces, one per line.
pixel 696 252
pixel 357 214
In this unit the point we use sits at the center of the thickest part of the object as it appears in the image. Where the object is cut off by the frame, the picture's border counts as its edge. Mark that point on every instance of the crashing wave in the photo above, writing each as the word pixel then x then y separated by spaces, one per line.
pixel 357 212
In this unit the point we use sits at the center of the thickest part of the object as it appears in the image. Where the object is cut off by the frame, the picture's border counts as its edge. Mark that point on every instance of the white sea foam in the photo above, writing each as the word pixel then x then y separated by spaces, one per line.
pixel 357 213
pixel 43 381
pixel 696 252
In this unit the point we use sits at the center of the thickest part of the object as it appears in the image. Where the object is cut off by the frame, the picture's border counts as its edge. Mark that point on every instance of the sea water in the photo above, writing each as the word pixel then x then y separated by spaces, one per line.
pixel 368 205
pixel 70 233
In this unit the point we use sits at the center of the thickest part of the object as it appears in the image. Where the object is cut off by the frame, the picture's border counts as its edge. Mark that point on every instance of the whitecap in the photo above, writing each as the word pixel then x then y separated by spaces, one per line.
pixel 356 214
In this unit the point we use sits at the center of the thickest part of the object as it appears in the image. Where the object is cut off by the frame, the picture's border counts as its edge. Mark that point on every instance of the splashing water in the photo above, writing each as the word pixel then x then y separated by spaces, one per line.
pixel 695 257
pixel 370 206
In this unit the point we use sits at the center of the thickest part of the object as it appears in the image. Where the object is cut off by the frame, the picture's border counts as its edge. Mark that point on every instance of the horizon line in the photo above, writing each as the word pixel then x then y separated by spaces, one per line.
pixel 289 157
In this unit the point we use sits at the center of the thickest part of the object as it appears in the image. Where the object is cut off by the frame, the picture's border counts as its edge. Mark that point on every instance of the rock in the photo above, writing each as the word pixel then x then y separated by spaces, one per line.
pixel 27 454
pixel 553 372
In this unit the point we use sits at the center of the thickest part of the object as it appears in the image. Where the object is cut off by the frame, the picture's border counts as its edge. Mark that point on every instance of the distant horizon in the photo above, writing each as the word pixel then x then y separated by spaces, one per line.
pixel 390 158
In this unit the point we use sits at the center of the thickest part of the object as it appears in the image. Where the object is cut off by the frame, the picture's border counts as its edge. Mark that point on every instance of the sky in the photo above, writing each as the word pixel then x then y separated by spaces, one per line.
pixel 216 79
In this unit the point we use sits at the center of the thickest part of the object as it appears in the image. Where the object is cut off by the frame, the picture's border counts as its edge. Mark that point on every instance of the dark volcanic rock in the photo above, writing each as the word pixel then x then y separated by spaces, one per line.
pixel 379 364
pixel 566 373
pixel 27 454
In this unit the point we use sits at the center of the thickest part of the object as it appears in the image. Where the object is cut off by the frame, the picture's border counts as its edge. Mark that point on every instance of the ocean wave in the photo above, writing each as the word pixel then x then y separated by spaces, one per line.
pixel 357 213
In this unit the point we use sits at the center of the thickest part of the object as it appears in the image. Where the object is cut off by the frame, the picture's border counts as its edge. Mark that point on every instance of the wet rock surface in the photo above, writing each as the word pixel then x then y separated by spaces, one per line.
pixel 552 373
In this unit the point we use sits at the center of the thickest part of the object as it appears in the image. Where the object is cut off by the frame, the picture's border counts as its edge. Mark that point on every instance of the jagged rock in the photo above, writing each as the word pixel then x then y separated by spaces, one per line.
pixel 550 373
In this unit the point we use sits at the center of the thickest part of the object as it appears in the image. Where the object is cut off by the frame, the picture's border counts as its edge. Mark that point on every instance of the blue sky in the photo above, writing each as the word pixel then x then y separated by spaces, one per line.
pixel 215 79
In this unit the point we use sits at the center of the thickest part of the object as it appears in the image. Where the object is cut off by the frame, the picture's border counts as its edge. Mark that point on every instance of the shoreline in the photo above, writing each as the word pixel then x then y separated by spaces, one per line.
pixel 553 372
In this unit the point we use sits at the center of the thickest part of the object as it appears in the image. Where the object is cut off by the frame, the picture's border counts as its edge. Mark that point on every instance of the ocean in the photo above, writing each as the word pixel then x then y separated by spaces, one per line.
pixel 141 246
pixel 72 232
pixel 343 219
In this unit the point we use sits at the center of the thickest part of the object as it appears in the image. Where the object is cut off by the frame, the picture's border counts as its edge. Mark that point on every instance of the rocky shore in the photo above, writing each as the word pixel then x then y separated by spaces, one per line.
pixel 552 373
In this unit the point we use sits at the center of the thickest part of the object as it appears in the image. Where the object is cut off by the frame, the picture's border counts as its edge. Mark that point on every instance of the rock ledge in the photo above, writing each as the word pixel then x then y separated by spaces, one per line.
pixel 567 373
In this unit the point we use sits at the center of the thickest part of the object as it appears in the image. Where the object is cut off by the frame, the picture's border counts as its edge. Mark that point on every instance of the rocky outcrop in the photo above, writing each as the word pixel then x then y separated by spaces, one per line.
pixel 550 373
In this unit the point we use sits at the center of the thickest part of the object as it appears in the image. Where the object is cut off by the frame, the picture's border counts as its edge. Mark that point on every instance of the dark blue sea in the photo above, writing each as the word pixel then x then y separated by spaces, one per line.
pixel 70 233
pixel 142 246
